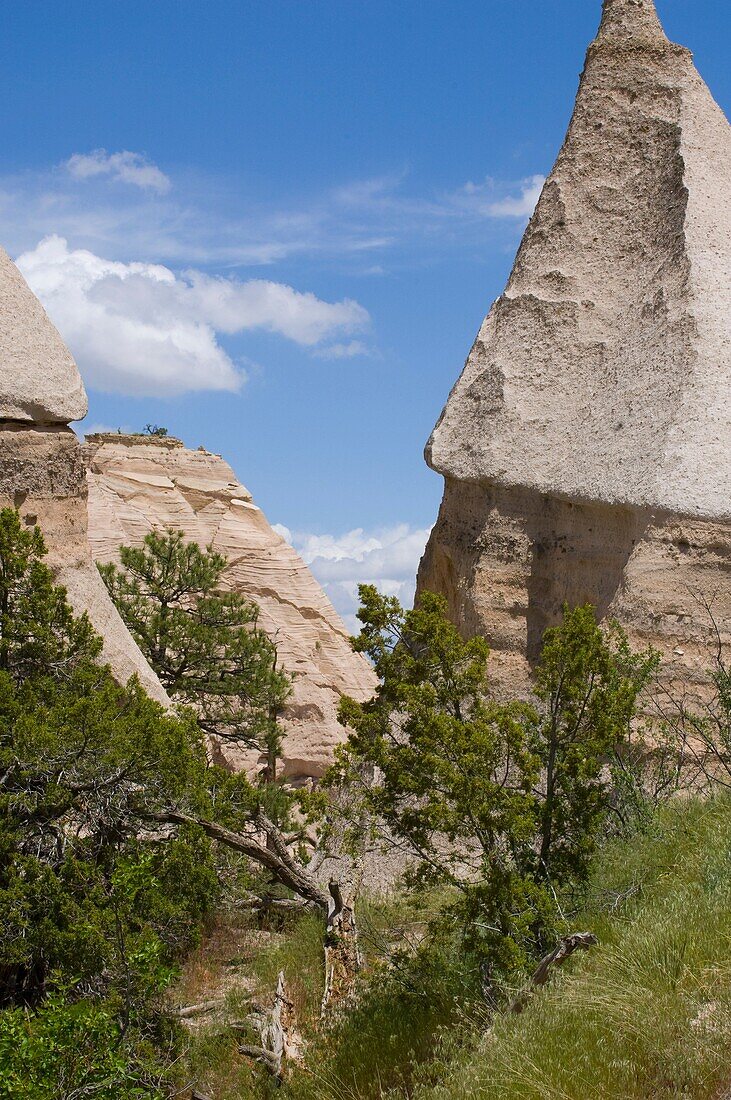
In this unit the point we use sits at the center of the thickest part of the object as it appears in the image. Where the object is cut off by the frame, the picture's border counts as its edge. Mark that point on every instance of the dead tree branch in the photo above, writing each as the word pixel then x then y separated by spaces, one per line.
pixel 577 941
pixel 272 854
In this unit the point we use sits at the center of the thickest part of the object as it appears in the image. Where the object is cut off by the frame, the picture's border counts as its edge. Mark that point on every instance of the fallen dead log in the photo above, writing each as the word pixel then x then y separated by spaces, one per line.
pixel 577 941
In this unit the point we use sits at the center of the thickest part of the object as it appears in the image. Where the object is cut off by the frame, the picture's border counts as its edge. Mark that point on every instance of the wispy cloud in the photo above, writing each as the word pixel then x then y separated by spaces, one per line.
pixel 387 557
pixel 351 350
pixel 140 329
pixel 486 199
pixel 379 223
pixel 127 167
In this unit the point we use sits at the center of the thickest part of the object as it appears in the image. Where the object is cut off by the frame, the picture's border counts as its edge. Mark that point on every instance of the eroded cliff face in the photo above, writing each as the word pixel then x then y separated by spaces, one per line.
pixel 507 561
pixel 41 467
pixel 586 448
pixel 138 484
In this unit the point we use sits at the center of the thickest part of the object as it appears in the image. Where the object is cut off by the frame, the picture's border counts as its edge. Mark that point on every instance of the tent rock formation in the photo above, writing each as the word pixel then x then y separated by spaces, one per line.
pixel 41 467
pixel 586 447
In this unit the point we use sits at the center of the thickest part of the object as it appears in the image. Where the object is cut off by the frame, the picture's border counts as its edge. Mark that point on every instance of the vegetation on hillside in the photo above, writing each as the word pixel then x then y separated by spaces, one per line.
pixel 126 853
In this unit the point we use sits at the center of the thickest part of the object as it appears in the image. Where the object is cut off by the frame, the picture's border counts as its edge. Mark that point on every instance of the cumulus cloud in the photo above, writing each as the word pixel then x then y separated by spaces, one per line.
pixel 127 167
pixel 483 198
pixel 387 557
pixel 140 329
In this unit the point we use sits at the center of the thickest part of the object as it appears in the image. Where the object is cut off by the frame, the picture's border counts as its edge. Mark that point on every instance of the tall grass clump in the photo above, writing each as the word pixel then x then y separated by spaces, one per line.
pixel 648 1013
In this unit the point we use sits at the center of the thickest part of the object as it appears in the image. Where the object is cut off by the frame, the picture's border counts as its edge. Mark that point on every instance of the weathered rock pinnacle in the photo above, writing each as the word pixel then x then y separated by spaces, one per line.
pixel 631 20
pixel 39 380
pixel 603 372
pixel 586 448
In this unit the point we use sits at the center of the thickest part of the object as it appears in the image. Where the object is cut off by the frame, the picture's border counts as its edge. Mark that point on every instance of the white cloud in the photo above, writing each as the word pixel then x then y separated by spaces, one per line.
pixel 482 198
pixel 127 167
pixel 387 557
pixel 139 329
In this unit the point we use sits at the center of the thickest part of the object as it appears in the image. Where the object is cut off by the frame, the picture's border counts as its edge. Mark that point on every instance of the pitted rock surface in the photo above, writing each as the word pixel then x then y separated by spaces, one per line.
pixel 603 372
pixel 39 380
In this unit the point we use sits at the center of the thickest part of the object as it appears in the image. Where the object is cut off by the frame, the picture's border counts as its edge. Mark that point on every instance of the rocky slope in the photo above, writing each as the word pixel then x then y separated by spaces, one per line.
pixel 585 447
pixel 138 483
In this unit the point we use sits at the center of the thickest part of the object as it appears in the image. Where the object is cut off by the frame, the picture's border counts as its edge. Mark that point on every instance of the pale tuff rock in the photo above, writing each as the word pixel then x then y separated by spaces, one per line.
pixel 508 559
pixel 603 373
pixel 39 380
pixel 42 474
pixel 137 485
pixel 41 469
pixel 587 446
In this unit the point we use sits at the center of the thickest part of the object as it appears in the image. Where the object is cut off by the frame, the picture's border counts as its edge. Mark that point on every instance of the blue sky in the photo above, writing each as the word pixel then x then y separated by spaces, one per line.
pixel 320 200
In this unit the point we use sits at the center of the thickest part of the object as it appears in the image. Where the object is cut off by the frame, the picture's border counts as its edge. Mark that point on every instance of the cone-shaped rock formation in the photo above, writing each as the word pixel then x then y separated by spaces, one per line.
pixel 587 445
pixel 603 373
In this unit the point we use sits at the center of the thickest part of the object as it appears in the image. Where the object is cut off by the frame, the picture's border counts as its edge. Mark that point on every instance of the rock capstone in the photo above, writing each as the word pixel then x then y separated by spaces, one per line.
pixel 39 380
pixel 586 448
pixel 603 372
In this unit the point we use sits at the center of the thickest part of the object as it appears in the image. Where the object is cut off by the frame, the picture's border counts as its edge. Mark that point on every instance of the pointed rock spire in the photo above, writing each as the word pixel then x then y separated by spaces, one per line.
pixel 630 20
pixel 39 380
pixel 603 372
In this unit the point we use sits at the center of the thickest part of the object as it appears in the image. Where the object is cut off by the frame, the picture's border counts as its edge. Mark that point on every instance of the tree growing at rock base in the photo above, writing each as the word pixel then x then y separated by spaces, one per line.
pixel 203 642
pixel 502 802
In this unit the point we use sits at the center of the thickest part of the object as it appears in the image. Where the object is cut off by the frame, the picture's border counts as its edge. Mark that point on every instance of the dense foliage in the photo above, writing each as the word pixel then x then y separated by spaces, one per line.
pixel 94 909
pixel 109 806
pixel 502 802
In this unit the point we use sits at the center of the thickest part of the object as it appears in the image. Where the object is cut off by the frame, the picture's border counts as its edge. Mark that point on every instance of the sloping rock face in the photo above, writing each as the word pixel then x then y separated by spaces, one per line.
pixel 138 484
pixel 42 473
pixel 586 447
pixel 39 381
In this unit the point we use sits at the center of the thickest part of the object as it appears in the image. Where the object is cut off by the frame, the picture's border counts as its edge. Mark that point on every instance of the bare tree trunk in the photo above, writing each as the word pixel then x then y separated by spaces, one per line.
pixel 342 956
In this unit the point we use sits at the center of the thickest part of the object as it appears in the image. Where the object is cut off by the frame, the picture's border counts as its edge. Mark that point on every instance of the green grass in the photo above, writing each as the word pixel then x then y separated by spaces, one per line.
pixel 406 1013
pixel 648 1013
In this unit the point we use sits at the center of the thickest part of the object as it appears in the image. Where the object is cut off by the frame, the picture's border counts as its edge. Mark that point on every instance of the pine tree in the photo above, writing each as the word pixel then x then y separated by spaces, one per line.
pixel 203 642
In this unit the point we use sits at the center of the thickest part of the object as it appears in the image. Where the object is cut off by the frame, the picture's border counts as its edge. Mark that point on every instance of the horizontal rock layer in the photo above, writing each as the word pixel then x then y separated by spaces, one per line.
pixel 137 485
pixel 507 561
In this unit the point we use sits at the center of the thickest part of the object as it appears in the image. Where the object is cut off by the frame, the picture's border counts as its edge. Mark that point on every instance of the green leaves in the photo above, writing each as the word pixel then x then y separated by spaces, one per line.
pixel 69 1050
pixel 38 631
pixel 588 681
pixel 203 642
pixel 501 801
